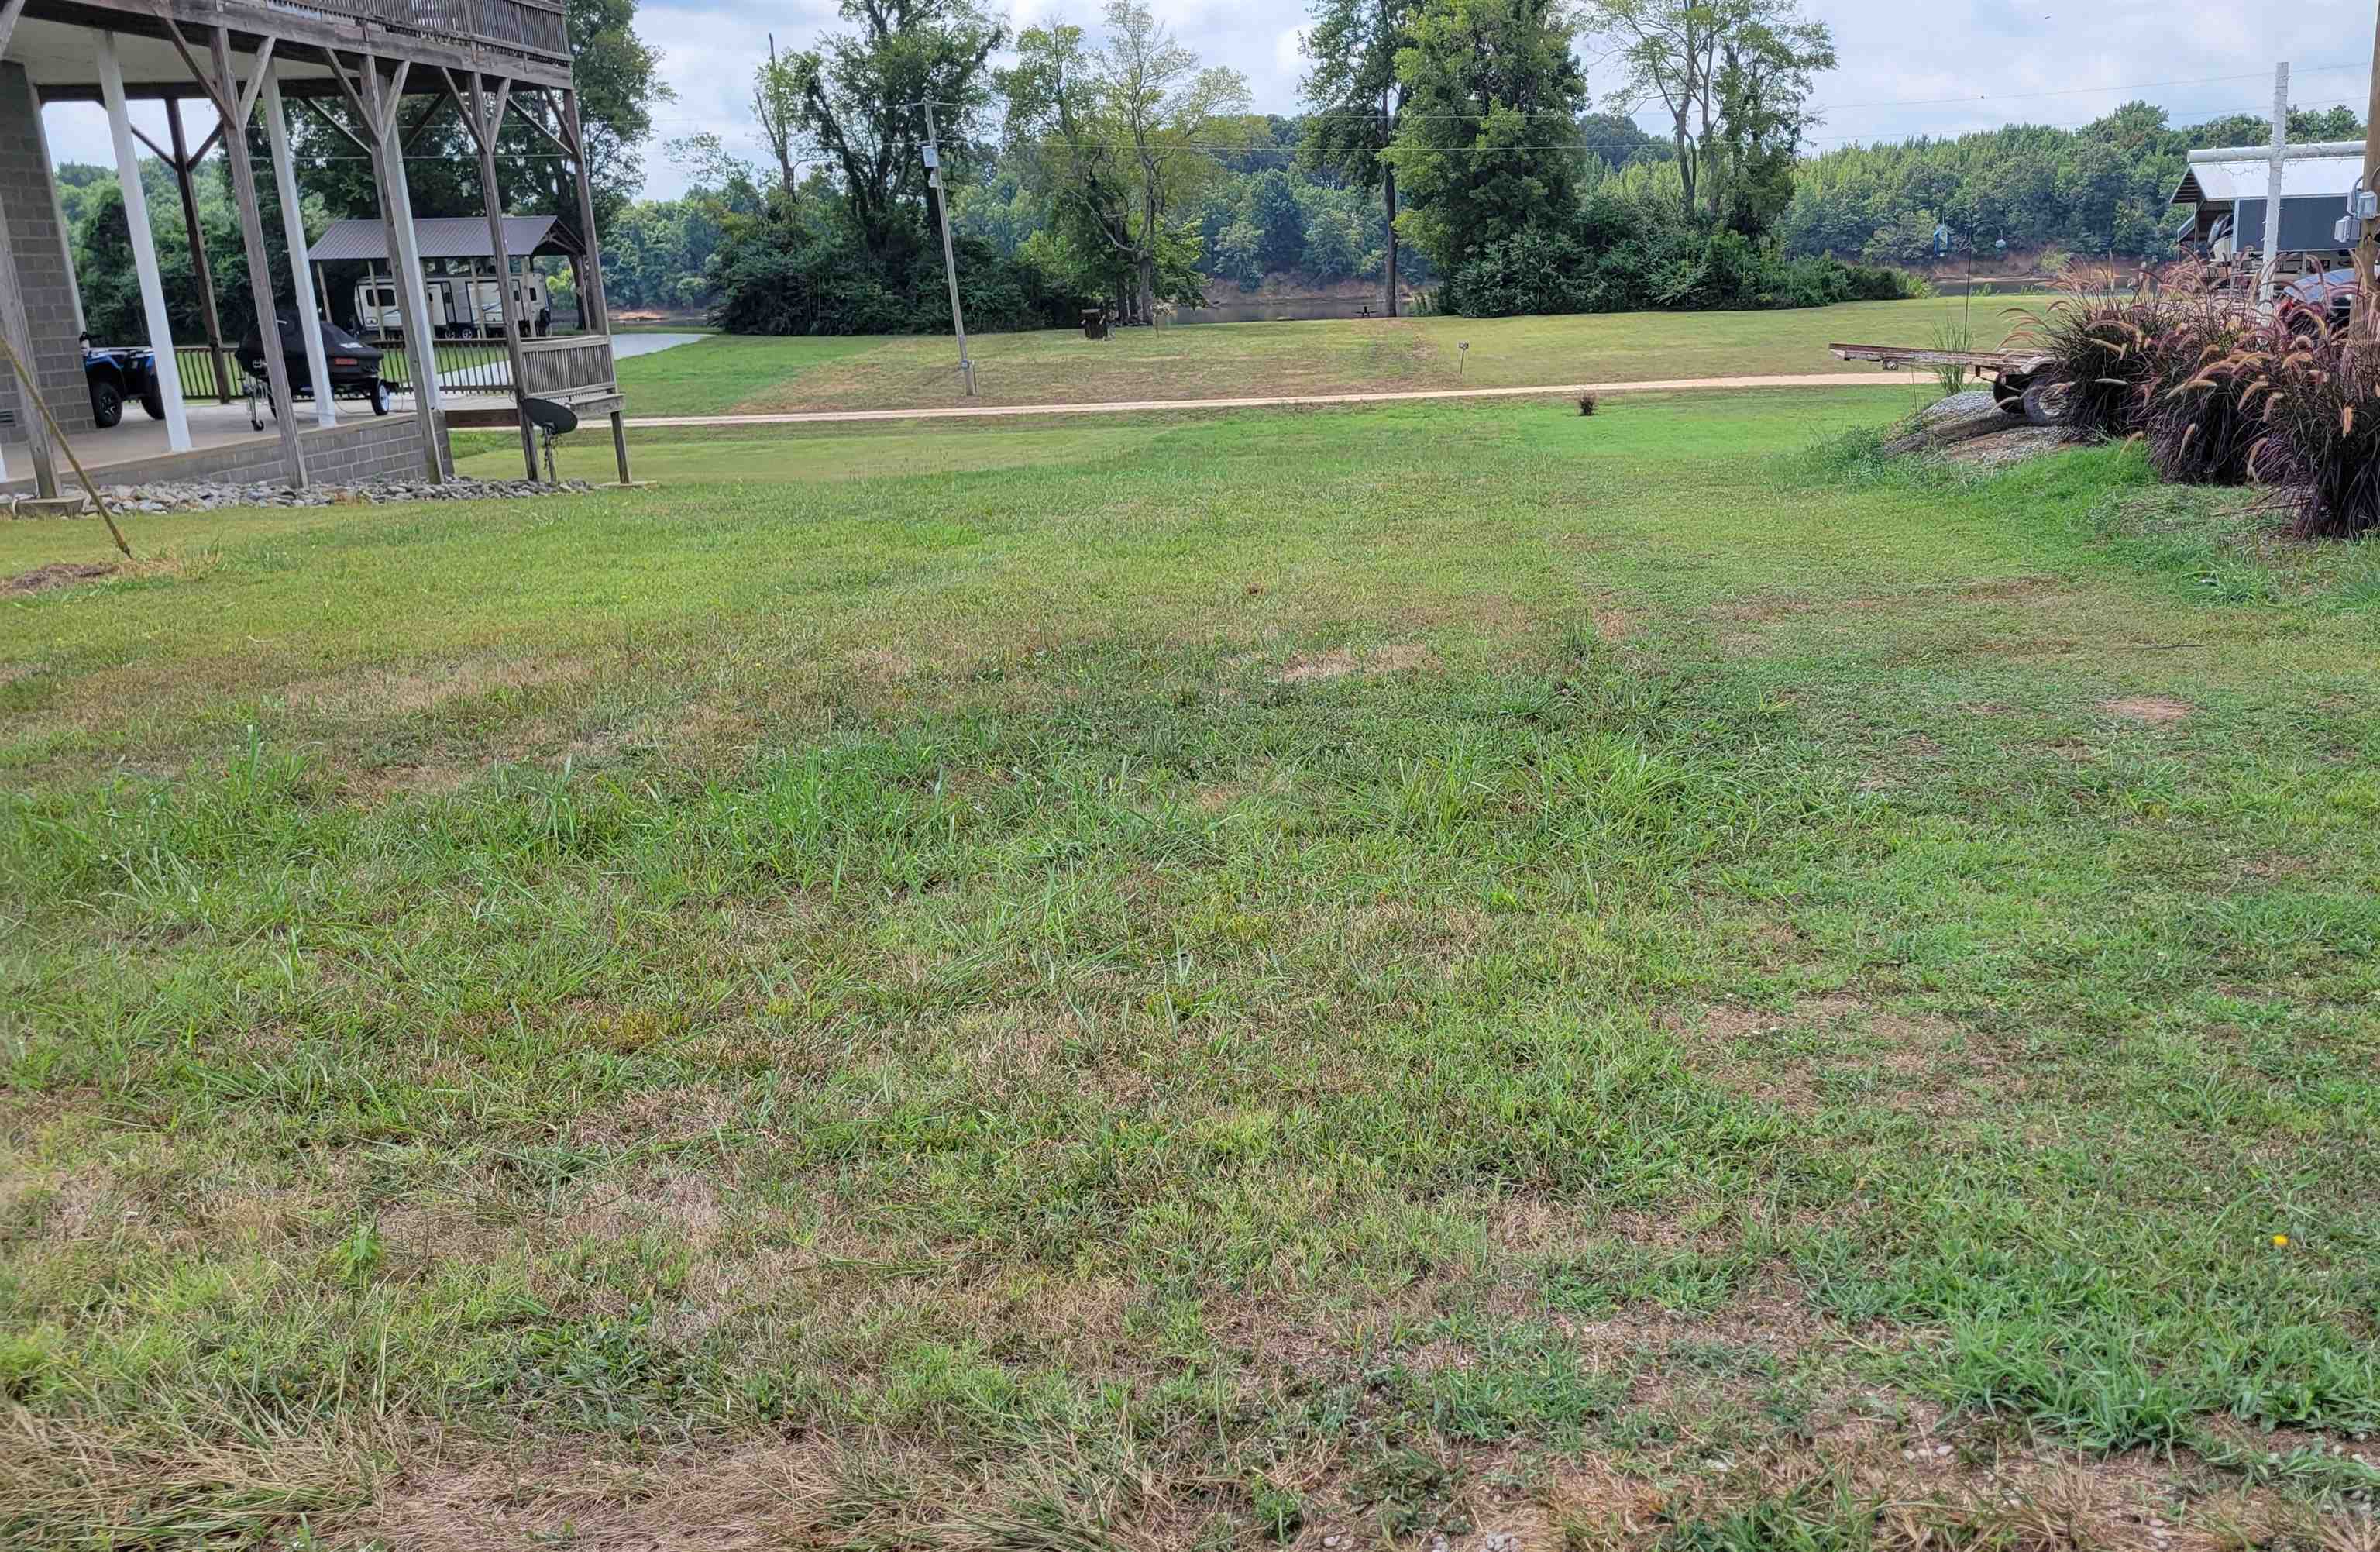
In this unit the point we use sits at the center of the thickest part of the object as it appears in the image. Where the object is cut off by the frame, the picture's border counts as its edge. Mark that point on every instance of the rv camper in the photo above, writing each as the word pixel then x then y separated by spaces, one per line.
pixel 460 306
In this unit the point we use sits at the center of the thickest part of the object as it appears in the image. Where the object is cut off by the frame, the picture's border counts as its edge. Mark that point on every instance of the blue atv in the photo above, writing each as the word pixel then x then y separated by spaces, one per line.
pixel 116 375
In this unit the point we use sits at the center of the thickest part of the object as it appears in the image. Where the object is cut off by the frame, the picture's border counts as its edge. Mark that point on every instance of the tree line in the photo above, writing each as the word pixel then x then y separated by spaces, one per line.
pixel 1448 150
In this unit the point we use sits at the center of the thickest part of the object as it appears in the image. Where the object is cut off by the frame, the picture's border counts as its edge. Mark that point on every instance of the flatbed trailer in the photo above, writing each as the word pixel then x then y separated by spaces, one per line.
pixel 2018 384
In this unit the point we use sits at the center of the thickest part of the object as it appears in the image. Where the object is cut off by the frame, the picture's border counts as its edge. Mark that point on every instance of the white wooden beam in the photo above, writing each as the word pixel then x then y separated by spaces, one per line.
pixel 293 233
pixel 144 245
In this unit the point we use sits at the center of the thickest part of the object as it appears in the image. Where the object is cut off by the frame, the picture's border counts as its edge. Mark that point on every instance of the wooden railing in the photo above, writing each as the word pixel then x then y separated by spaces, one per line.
pixel 534 26
pixel 573 364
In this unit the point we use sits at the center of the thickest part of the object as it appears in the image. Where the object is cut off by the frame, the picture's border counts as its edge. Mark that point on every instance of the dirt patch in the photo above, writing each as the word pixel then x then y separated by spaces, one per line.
pixel 1918 1063
pixel 877 663
pixel 2155 711
pixel 59 574
pixel 1614 624
pixel 1340 662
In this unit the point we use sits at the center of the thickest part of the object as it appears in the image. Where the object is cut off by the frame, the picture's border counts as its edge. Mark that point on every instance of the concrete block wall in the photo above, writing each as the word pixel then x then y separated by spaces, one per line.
pixel 42 272
pixel 347 454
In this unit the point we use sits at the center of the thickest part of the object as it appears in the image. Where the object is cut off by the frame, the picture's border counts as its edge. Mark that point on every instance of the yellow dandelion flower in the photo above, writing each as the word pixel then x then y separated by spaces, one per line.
pixel 2280 1242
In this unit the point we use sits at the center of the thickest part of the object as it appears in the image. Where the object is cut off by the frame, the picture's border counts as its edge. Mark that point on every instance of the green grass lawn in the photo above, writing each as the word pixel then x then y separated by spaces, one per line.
pixel 1436 970
pixel 729 373
pixel 714 375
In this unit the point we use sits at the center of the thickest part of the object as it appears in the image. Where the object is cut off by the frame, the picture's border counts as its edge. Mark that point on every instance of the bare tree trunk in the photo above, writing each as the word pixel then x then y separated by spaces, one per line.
pixel 1389 200
pixel 1685 161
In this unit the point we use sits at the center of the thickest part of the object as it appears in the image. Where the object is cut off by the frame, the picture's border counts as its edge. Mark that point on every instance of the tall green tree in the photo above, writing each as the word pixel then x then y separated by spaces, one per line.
pixel 1355 95
pixel 1486 144
pixel 862 96
pixel 1683 55
pixel 1123 139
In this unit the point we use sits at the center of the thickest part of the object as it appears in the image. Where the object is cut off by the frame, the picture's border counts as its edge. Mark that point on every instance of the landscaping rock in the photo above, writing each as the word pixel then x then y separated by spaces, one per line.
pixel 1960 407
pixel 202 496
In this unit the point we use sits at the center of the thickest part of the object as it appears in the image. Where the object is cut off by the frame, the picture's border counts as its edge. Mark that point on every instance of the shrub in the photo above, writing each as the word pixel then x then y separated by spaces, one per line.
pixel 2199 420
pixel 2098 340
pixel 773 276
pixel 2320 402
pixel 1611 261
pixel 1586 404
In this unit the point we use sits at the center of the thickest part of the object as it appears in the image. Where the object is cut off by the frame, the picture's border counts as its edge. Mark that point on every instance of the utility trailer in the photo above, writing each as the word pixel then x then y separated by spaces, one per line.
pixel 2018 385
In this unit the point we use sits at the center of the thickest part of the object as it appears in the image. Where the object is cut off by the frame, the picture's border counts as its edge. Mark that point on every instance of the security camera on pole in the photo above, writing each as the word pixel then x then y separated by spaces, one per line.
pixel 950 265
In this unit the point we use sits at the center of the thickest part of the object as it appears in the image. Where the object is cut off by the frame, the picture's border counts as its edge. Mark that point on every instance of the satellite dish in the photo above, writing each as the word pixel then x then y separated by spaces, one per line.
pixel 547 415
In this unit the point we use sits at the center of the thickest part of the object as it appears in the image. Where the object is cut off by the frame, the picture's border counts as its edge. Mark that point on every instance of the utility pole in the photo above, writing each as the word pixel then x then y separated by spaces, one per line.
pixel 950 265
pixel 2273 188
pixel 2366 321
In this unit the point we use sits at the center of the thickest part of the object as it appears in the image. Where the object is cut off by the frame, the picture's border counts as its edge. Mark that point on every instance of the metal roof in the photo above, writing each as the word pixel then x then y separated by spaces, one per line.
pixel 447 236
pixel 2221 182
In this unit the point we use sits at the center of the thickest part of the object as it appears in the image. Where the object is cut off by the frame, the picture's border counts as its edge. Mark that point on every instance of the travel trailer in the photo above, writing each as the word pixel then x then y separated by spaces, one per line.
pixel 460 306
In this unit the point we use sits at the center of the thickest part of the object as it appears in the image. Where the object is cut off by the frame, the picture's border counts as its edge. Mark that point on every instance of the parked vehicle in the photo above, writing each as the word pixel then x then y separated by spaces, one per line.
pixel 2318 295
pixel 354 367
pixel 119 373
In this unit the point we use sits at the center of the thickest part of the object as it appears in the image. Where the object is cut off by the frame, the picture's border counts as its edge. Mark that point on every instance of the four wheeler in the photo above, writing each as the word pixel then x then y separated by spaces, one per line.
pixel 355 370
pixel 116 375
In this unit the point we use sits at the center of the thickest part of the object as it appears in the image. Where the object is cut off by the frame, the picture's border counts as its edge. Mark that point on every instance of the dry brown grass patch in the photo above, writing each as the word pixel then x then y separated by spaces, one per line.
pixel 404 692
pixel 1341 662
pixel 1782 1059
pixel 2154 710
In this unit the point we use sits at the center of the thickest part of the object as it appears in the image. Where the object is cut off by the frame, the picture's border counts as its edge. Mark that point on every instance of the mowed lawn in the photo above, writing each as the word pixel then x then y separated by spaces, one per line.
pixel 1324 980
pixel 732 375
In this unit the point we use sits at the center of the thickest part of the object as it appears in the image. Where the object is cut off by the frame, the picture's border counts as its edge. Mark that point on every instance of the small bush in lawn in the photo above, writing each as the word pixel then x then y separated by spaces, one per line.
pixel 2198 419
pixel 2321 410
pixel 1586 404
pixel 2098 339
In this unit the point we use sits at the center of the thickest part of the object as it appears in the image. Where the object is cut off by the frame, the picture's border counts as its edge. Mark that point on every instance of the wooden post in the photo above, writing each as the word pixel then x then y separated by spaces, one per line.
pixel 293 234
pixel 487 117
pixel 183 165
pixel 374 103
pixel 594 313
pixel 235 109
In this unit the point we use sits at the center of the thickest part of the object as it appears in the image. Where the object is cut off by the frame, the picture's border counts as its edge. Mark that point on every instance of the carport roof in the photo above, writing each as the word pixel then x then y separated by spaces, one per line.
pixel 448 236
pixel 2221 182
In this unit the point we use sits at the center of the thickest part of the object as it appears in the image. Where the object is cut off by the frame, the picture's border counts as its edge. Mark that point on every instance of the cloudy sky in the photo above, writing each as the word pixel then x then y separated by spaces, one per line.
pixel 1909 66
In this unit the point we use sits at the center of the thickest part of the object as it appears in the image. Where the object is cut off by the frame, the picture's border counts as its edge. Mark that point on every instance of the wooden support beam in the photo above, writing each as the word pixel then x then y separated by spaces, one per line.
pixel 203 272
pixel 315 107
pixel 374 101
pixel 293 232
pixel 485 117
pixel 233 104
pixel 594 315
